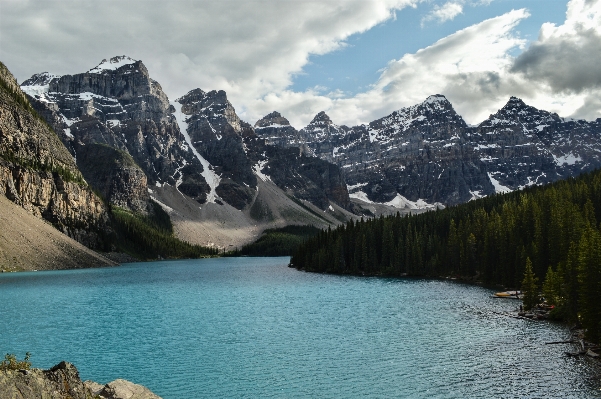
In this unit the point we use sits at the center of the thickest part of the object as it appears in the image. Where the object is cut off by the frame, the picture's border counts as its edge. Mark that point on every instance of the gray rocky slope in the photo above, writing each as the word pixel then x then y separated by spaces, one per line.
pixel 427 154
pixel 193 155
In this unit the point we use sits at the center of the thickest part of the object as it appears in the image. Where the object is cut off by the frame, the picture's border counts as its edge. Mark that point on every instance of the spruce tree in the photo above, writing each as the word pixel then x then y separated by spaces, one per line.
pixel 530 287
pixel 552 287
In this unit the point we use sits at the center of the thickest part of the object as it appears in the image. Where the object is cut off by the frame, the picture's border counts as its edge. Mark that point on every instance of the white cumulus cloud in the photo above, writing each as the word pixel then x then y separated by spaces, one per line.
pixel 445 12
pixel 248 48
pixel 253 50
pixel 475 69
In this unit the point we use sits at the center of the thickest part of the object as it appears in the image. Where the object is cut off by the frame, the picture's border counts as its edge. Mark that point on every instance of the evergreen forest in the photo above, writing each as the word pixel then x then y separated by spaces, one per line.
pixel 151 236
pixel 283 241
pixel 551 233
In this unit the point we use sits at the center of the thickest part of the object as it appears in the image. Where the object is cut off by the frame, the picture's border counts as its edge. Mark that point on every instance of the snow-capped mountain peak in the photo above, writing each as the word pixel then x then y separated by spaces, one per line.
pixel 37 85
pixel 40 79
pixel 112 64
pixel 438 99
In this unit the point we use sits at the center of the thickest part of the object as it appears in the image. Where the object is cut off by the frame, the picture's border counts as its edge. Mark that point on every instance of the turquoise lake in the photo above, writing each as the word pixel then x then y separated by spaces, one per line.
pixel 254 328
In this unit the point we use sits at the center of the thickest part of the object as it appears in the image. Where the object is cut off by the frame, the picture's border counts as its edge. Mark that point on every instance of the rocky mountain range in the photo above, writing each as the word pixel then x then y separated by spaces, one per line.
pixel 220 182
pixel 425 155
pixel 224 181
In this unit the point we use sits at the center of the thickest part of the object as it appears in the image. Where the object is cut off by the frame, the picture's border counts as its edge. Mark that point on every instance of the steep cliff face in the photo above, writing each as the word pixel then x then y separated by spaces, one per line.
pixel 276 130
pixel 195 144
pixel 237 154
pixel 522 145
pixel 214 130
pixel 304 177
pixel 39 174
pixel 115 175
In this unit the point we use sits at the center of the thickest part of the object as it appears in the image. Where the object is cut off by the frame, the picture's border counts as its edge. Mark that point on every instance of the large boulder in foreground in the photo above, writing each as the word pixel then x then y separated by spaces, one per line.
pixel 120 389
pixel 61 382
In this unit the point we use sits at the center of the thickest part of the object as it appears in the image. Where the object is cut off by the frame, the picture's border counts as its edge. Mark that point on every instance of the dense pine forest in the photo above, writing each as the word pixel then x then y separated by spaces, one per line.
pixel 554 230
pixel 283 241
pixel 151 237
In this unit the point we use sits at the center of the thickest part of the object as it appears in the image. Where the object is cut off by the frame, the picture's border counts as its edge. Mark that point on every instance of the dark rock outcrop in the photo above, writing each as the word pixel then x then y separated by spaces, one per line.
pixel 238 154
pixel 276 130
pixel 115 175
pixel 214 129
pixel 303 177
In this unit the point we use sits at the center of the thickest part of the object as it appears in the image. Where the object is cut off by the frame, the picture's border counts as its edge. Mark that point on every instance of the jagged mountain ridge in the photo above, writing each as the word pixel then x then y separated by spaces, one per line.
pixel 119 105
pixel 426 153
pixel 193 155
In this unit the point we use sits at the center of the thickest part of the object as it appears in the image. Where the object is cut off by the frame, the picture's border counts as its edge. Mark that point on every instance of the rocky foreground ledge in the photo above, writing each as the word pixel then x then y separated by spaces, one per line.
pixel 61 382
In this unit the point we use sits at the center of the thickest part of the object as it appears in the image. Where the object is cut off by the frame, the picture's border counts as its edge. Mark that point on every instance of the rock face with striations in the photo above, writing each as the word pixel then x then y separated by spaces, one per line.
pixel 61 382
pixel 522 146
pixel 276 130
pixel 214 130
pixel 304 177
pixel 38 173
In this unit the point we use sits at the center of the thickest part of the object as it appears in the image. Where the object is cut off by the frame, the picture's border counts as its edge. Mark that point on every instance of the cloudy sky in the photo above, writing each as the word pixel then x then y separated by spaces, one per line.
pixel 356 59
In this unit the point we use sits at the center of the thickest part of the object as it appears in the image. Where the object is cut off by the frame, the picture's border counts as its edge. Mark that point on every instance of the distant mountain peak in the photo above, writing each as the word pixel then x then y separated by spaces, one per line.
pixel 274 118
pixel 436 98
pixel 40 79
pixel 321 119
pixel 515 101
pixel 112 64
pixel 192 96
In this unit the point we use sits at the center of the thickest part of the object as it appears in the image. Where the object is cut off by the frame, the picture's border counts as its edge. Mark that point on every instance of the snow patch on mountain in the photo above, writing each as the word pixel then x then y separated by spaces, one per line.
pixel 499 188
pixel 112 64
pixel 568 158
pixel 398 202
pixel 36 91
pixel 211 177
pixel 273 125
pixel 360 195
pixel 38 85
pixel 476 195
pixel 258 169
pixel 401 202
pixel 354 186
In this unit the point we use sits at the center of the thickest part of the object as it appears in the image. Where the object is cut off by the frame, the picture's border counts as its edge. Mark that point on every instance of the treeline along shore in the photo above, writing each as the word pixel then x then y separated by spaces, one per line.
pixel 554 229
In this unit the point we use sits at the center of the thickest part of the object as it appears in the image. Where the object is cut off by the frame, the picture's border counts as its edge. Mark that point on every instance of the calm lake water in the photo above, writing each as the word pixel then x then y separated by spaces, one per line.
pixel 253 328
